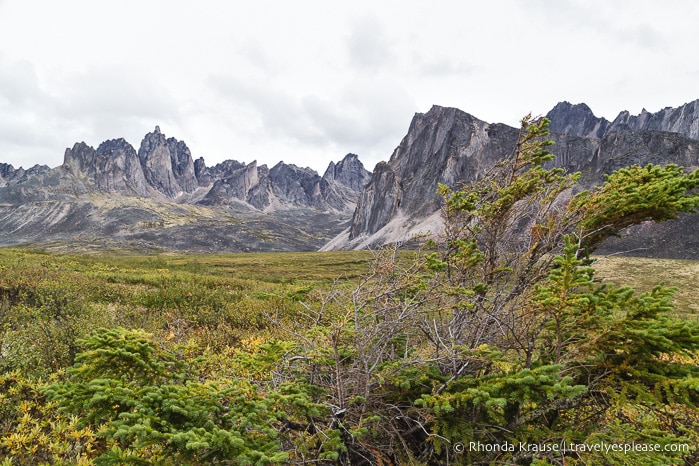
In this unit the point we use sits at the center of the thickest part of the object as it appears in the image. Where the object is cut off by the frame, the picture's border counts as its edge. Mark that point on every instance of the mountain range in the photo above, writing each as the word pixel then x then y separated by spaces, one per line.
pixel 447 145
pixel 159 197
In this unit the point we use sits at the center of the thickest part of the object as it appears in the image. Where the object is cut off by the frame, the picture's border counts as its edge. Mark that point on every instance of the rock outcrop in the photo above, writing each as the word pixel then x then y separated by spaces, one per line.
pixel 236 186
pixel 167 164
pixel 578 120
pixel 444 145
pixel 683 120
pixel 182 165
pixel 348 172
pixel 160 197
pixel 7 173
pixel 378 203
pixel 295 185
pixel 113 167
pixel 10 176
pixel 286 186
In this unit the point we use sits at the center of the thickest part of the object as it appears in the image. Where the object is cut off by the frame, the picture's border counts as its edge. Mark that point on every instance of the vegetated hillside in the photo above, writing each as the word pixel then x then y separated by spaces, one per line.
pixel 49 300
pixel 219 302
pixel 643 273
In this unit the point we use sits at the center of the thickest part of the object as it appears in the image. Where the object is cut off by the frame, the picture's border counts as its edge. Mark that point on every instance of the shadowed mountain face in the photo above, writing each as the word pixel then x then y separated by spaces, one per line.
pixel 446 145
pixel 159 197
pixel 578 120
pixel 113 167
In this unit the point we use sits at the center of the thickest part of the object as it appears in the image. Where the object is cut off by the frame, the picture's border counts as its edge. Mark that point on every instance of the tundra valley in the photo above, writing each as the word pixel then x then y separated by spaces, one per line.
pixel 487 295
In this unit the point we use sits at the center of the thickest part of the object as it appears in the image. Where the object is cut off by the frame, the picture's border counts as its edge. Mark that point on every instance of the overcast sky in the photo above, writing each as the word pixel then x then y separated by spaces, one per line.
pixel 310 81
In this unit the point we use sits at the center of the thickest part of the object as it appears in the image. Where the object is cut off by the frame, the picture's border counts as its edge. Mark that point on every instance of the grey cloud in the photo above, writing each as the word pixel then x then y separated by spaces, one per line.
pixel 363 117
pixel 92 106
pixel 368 118
pixel 280 114
pixel 575 15
pixel 444 67
pixel 19 84
pixel 114 102
pixel 260 57
pixel 15 133
pixel 117 91
pixel 25 134
pixel 367 45
pixel 363 114
pixel 647 36
pixel 26 143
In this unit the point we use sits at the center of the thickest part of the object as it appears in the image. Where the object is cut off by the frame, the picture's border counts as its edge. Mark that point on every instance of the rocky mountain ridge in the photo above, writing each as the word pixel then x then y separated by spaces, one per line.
pixel 118 195
pixel 578 120
pixel 447 145
pixel 8 174
pixel 160 197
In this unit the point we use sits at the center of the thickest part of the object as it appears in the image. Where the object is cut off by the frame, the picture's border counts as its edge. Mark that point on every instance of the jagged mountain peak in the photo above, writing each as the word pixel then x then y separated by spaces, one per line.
pixel 7 169
pixel 683 120
pixel 435 109
pixel 152 137
pixel 112 144
pixel 283 187
pixel 167 164
pixel 79 157
pixel 565 106
pixel 113 167
pixel 290 167
pixel 444 145
pixel 566 111
pixel 436 112
pixel 576 119
pixel 349 171
pixel 9 173
pixel 440 111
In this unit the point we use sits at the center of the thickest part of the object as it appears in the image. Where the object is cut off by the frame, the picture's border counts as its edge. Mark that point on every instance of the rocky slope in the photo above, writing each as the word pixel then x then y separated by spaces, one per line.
pixel 447 145
pixel 160 197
